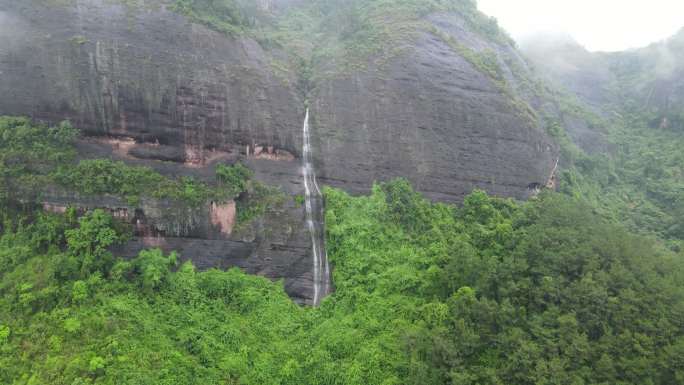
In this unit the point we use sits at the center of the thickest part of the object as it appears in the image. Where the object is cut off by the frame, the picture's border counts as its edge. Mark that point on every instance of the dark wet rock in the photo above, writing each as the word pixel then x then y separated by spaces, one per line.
pixel 143 72
pixel 433 117
pixel 150 88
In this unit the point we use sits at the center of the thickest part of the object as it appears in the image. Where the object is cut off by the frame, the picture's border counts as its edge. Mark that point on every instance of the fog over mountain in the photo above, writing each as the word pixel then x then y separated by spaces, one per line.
pixel 341 192
pixel 607 25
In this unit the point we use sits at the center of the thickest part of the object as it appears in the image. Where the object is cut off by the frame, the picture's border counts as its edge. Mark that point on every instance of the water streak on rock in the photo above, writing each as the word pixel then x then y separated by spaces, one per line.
pixel 314 220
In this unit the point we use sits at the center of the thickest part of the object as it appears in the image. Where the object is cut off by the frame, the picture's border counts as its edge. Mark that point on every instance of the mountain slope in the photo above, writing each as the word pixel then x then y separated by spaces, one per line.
pixel 433 91
pixel 491 292
pixel 633 100
pixel 109 235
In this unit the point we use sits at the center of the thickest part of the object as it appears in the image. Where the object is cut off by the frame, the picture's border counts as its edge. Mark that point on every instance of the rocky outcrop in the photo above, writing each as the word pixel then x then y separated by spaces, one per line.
pixel 149 87
pixel 432 116
pixel 143 72
pixel 275 245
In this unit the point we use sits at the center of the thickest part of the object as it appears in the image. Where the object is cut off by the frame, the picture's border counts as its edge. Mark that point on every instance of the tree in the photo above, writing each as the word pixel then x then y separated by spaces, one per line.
pixel 88 245
pixel 153 268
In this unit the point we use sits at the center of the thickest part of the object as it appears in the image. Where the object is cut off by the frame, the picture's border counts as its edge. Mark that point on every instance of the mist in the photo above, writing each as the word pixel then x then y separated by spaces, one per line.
pixel 606 25
pixel 9 26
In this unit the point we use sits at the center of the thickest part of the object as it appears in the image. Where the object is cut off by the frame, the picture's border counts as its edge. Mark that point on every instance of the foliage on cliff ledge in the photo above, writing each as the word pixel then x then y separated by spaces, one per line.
pixel 35 156
pixel 29 153
pixel 228 16
pixel 346 32
pixel 494 292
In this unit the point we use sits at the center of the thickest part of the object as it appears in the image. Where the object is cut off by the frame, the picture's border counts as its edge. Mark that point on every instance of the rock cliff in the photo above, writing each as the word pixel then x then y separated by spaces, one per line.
pixel 432 116
pixel 447 108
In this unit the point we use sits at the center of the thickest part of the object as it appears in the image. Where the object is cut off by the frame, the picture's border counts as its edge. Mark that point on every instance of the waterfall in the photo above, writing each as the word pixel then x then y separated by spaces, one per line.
pixel 315 220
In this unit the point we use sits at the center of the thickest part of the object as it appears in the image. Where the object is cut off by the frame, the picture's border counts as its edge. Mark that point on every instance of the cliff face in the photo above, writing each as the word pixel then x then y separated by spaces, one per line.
pixel 143 72
pixel 146 85
pixel 432 116
pixel 149 87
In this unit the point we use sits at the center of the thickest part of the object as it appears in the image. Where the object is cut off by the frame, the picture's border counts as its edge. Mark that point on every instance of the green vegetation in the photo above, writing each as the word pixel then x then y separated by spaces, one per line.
pixel 67 320
pixel 494 292
pixel 234 178
pixel 29 154
pixel 103 176
pixel 638 180
pixel 299 200
pixel 257 200
pixel 512 294
pixel 35 158
pixel 635 175
pixel 640 184
pixel 228 16
pixel 348 33
pixel 79 40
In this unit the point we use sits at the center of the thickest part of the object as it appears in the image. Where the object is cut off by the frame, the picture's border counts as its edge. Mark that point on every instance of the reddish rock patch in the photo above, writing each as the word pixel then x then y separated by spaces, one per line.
pixel 153 242
pixel 52 208
pixel 216 155
pixel 194 157
pixel 120 146
pixel 223 216
pixel 269 153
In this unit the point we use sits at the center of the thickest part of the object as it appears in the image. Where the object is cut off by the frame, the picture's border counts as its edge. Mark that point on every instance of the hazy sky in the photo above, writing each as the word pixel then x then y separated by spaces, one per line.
pixel 599 25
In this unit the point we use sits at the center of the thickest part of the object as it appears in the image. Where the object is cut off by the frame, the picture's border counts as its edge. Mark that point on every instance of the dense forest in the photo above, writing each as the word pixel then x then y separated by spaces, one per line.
pixel 493 292
pixel 490 292
pixel 581 284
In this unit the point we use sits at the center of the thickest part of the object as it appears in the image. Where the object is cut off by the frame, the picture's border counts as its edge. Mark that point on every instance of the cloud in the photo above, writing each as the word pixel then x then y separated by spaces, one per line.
pixel 599 25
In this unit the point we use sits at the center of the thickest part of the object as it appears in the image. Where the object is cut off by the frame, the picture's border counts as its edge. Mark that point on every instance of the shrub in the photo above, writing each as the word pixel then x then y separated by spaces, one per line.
pixel 235 178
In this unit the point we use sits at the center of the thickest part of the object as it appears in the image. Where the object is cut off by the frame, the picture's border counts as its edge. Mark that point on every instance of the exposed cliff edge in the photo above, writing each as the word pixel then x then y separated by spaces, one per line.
pixel 145 73
pixel 151 88
pixel 433 114
pixel 446 106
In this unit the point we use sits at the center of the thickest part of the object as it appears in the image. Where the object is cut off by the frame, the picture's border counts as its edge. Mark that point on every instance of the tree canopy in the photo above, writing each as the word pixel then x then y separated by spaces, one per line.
pixel 493 292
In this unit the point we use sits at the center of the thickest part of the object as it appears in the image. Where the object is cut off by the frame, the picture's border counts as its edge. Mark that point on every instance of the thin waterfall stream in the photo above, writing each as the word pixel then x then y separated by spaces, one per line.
pixel 315 220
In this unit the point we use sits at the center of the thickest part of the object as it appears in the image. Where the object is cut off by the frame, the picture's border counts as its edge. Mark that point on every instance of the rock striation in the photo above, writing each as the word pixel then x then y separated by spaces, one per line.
pixel 150 87
pixel 432 116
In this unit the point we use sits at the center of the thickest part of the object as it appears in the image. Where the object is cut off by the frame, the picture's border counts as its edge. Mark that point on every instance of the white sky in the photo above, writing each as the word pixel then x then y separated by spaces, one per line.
pixel 599 25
